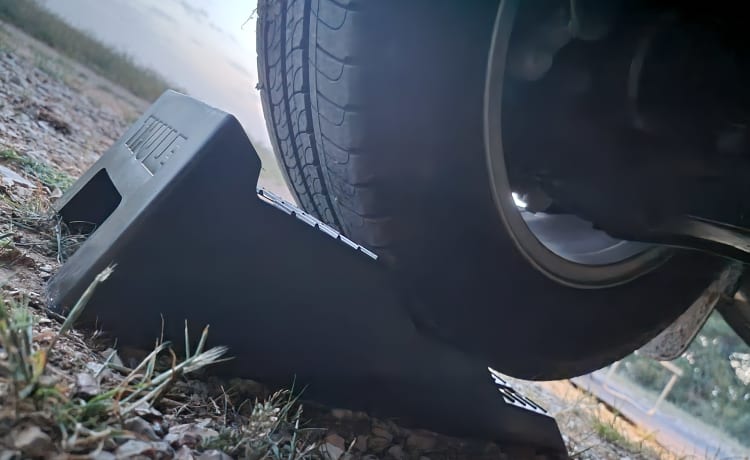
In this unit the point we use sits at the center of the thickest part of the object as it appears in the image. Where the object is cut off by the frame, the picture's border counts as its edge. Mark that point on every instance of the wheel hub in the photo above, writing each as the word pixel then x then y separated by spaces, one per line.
pixel 615 126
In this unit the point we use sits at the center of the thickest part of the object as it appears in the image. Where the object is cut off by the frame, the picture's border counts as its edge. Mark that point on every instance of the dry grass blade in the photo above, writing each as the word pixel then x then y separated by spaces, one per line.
pixel 26 363
pixel 134 374
pixel 187 341
pixel 17 342
pixel 271 431
pixel 151 388
pixel 78 308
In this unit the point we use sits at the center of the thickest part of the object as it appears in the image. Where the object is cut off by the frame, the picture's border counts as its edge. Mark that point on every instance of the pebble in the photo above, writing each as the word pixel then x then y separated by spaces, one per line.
pixel 111 355
pixel 189 434
pixel 336 440
pixel 32 441
pixel 422 441
pixel 8 177
pixel 397 452
pixel 381 432
pixel 342 414
pixel 46 268
pixel 49 380
pixel 10 455
pixel 86 385
pixel 214 455
pixel 132 448
pixel 147 412
pixel 141 427
pixel 378 444
pixel 184 453
pixel 361 443
pixel 332 452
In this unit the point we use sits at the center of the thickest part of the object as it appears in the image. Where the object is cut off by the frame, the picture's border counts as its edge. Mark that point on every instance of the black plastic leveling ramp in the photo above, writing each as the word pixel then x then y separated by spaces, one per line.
pixel 175 207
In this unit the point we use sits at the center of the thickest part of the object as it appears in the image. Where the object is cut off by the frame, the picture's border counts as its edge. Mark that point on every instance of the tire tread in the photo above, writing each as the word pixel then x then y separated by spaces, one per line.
pixel 309 80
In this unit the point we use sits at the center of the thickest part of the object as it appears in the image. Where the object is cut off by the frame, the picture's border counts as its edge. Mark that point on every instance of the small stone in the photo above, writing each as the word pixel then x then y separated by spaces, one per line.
pixel 213 454
pixel 184 453
pixel 361 443
pixel 159 428
pixel 342 414
pixel 163 447
pixel 421 441
pixel 147 412
pixel 99 371
pixel 378 444
pixel 10 455
pixel 336 440
pixel 86 385
pixel 382 432
pixel 189 434
pixel 46 268
pixel 397 452
pixel 141 427
pixel 32 441
pixel 135 448
pixel 8 177
pixel 112 356
pixel 331 452
pixel 132 448
pixel 48 380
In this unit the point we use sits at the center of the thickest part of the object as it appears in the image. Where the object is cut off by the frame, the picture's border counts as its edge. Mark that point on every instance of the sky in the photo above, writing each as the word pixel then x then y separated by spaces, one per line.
pixel 205 47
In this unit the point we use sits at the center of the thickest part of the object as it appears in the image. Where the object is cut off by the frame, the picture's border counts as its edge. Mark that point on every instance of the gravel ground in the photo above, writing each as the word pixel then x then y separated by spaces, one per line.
pixel 57 112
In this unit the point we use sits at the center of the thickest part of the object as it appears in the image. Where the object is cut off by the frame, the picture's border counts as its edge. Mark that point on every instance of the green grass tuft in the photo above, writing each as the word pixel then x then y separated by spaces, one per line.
pixel 608 428
pixel 43 172
pixel 84 422
pixel 609 432
pixel 271 431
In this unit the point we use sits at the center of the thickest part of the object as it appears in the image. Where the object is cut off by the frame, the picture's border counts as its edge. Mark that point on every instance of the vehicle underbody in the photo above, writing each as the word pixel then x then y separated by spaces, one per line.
pixel 645 104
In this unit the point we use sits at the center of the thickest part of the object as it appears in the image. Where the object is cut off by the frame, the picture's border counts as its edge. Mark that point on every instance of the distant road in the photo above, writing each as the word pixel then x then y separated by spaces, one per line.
pixel 673 433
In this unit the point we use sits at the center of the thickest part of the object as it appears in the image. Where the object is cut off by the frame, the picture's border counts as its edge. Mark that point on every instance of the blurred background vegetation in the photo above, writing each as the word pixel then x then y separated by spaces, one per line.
pixel 54 32
pixel 716 383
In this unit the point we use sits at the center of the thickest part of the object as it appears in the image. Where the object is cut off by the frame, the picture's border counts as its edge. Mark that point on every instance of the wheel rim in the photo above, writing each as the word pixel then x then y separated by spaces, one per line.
pixel 565 248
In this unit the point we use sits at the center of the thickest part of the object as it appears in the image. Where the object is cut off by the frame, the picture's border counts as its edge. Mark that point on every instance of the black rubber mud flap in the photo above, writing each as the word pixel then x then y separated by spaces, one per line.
pixel 175 207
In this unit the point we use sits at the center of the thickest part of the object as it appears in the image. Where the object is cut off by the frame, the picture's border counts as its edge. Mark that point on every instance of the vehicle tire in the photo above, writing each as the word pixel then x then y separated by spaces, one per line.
pixel 375 112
